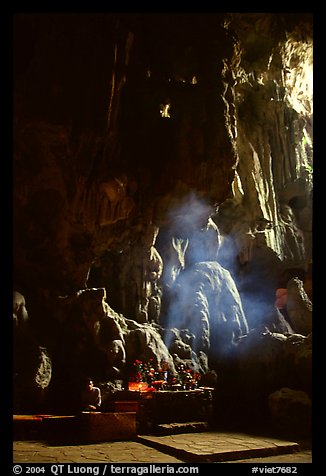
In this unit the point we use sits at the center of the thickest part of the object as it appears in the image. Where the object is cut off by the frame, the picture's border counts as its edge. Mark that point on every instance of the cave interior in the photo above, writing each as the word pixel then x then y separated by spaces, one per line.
pixel 162 208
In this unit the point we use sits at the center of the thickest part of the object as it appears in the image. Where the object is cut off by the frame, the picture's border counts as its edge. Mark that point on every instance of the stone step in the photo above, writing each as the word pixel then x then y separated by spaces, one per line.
pixel 184 427
pixel 218 446
pixel 88 427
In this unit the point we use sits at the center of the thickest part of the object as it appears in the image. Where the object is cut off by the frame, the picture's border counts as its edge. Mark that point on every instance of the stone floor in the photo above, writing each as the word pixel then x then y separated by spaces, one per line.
pixel 198 447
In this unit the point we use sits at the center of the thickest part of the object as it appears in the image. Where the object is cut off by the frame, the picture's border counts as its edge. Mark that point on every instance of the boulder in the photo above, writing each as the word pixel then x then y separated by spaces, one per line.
pixel 267 361
pixel 291 411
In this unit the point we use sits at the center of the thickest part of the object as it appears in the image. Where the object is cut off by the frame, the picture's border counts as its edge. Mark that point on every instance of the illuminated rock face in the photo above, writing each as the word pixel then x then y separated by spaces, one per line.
pixel 32 365
pixel 118 122
pixel 206 302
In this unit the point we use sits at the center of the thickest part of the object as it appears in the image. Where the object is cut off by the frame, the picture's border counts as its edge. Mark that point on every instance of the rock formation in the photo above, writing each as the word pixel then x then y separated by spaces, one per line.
pixel 152 151
pixel 32 366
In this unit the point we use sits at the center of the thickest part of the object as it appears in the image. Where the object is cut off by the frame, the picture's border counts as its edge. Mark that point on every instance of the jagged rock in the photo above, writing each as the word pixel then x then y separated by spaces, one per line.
pixel 209 379
pixel 207 303
pixel 275 220
pixel 92 334
pixel 141 269
pixel 32 365
pixel 179 342
pixel 181 349
pixel 107 343
pixel 299 307
pixel 144 343
pixel 20 314
pixel 44 371
pixel 276 322
pixel 32 377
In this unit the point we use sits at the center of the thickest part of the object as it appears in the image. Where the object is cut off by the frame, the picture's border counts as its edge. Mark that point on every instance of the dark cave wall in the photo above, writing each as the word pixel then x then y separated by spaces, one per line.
pixel 92 150
pixel 102 180
pixel 94 160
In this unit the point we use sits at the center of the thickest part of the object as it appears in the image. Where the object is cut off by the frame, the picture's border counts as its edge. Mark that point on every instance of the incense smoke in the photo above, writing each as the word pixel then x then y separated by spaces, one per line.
pixel 203 297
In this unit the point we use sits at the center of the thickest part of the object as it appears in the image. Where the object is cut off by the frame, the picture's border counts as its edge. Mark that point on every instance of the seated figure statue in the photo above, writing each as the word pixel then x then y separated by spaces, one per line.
pixel 91 397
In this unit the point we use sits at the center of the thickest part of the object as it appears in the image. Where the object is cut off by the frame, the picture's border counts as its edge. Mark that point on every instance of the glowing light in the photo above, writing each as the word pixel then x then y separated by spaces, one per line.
pixel 137 386
pixel 165 110
pixel 310 78
pixel 299 76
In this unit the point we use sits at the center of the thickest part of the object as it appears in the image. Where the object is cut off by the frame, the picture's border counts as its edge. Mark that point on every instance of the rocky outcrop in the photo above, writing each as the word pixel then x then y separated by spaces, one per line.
pixel 268 360
pixel 206 302
pixel 260 365
pixel 20 314
pixel 299 307
pixel 141 269
pixel 32 364
pixel 272 189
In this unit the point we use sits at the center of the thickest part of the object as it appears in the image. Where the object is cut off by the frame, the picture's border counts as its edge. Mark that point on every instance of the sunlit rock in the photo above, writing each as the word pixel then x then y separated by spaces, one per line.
pixel 207 303
pixel 32 364
pixel 20 314
pixel 299 307
pixel 144 342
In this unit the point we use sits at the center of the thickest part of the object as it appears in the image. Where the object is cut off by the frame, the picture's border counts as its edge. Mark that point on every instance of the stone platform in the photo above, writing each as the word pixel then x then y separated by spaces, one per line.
pixel 209 446
pixel 212 447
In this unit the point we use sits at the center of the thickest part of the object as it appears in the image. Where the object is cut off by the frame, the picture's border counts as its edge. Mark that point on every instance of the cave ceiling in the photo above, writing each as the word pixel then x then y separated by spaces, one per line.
pixel 120 118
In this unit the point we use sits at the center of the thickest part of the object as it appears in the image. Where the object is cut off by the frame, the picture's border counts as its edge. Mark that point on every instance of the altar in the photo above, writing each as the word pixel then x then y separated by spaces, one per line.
pixel 154 408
